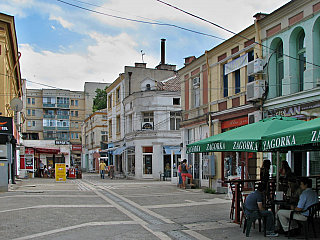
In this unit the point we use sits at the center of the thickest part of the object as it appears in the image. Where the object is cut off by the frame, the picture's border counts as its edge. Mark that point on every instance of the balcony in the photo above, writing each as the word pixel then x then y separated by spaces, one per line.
pixel 63 128
pixel 62 105
pixel 49 116
pixel 49 128
pixel 62 116
pixel 48 105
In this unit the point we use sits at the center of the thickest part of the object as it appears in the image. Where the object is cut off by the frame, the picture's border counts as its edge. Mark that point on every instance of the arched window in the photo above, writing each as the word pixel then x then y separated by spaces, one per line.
pixel 280 71
pixel 301 51
pixel 148 87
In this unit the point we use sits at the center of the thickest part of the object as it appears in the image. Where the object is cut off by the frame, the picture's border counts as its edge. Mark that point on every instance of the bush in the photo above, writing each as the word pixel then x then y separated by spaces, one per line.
pixel 209 190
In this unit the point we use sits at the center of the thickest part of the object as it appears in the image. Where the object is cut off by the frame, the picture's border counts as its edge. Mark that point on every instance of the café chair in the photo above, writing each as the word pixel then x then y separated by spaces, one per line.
pixel 249 220
pixel 312 211
pixel 233 192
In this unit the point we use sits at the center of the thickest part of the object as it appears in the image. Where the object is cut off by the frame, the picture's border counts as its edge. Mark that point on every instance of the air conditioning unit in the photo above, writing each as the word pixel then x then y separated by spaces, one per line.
pixel 255 116
pixel 147 126
pixel 255 90
pixel 255 67
pixel 196 81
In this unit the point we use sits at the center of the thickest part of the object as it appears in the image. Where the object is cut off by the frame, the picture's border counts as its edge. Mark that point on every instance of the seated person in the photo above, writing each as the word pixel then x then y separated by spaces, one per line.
pixel 293 192
pixel 285 170
pixel 254 202
pixel 307 198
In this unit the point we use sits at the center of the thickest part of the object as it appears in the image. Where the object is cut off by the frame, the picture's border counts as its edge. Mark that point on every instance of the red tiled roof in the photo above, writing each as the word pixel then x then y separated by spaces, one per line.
pixel 170 84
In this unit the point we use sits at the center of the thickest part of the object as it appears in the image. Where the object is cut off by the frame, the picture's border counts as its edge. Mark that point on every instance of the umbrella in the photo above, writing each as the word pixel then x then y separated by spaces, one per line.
pixel 243 139
pixel 305 136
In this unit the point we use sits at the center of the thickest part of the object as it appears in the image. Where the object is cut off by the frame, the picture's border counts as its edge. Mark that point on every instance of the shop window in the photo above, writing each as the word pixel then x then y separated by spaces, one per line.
pixel 147 159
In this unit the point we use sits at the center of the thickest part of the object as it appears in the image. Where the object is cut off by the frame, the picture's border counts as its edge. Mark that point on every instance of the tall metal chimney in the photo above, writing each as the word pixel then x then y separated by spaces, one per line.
pixel 163 51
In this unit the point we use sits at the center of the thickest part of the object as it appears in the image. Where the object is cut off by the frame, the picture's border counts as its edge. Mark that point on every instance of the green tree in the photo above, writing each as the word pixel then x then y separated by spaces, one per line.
pixel 100 100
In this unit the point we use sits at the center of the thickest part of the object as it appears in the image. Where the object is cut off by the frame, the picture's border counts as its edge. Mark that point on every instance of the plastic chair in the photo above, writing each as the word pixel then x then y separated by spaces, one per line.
pixel 312 211
pixel 249 219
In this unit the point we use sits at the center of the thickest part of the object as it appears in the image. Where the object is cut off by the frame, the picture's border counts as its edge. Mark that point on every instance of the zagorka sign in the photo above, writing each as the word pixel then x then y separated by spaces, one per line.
pixel 6 125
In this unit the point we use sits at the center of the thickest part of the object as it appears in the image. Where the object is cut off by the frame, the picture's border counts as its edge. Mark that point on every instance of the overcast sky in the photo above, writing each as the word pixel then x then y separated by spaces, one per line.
pixel 64 46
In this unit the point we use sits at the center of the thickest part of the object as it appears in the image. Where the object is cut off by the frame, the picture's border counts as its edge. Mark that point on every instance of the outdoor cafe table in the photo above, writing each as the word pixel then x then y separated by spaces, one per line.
pixel 238 188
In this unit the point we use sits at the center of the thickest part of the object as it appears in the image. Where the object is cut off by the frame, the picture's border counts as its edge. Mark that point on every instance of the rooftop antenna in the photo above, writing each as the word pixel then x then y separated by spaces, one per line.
pixel 142 55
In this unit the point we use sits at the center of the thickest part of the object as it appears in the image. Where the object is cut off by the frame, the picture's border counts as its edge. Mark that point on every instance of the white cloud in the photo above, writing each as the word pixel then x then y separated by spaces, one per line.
pixel 105 60
pixel 62 21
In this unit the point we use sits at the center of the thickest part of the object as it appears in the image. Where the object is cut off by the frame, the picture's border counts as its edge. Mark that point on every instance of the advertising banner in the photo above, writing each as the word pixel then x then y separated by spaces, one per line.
pixel 60 172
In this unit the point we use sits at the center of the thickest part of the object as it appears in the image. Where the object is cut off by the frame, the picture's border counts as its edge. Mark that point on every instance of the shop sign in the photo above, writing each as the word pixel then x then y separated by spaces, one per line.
pixel 76 147
pixel 234 122
pixel 60 172
pixel 29 151
pixel 236 64
pixel 62 142
pixel 303 111
pixel 6 125
pixel 29 161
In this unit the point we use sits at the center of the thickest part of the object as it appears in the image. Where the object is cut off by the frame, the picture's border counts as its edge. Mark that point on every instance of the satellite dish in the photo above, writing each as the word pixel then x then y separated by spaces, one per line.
pixel 16 104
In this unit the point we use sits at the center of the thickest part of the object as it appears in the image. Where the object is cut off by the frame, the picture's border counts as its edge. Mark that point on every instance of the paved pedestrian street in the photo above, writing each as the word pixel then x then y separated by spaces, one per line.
pixel 94 208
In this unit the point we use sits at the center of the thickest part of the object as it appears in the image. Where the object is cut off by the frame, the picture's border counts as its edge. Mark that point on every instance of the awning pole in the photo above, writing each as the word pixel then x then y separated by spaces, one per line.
pixel 278 175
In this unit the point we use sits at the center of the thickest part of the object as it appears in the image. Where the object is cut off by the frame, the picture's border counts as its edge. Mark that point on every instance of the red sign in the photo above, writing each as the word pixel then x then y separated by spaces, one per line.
pixel 29 151
pixel 77 147
pixel 234 122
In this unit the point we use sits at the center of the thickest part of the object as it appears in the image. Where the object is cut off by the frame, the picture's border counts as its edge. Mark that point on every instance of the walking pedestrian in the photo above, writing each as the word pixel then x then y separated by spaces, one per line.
pixel 102 167
pixel 41 169
pixel 179 175
pixel 185 174
pixel 111 171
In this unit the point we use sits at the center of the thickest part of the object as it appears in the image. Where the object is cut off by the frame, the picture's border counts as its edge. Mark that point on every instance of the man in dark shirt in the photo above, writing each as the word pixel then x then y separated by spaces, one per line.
pixel 254 202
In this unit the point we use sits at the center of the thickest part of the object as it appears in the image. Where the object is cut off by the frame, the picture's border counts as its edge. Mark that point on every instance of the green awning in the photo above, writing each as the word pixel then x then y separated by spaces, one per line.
pixel 243 139
pixel 305 136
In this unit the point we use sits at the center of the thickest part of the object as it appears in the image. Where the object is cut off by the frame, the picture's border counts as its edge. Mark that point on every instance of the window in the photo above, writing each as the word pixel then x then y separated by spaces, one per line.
pixel 33 123
pixel 72 124
pixel 104 136
pixel 29 123
pixel 33 101
pixel 29 100
pixel 28 111
pixel 175 119
pixel 72 104
pixel 49 123
pixel 176 101
pixel 118 95
pixel 110 128
pixel 147 159
pixel 76 125
pixel 63 112
pixel 118 124
pixel 49 134
pixel 49 112
pixel 76 102
pixel 237 81
pixel 302 59
pixel 148 117
pixel 63 135
pixel 279 68
pixel 225 82
pixel 48 100
pixel 72 135
pixel 76 113
pixel 77 135
pixel 148 87
pixel 72 113
pixel 33 112
pixel 196 96
pixel 63 123
pixel 62 100
pixel 250 58
pixel 104 117
pixel 110 101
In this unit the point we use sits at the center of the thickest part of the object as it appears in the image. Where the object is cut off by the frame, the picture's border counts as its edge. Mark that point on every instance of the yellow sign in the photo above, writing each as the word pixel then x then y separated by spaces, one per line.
pixel 60 172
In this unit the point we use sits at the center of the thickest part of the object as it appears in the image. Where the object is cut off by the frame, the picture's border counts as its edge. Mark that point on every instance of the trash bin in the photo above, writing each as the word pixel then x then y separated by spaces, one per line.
pixel 72 173
pixel 30 174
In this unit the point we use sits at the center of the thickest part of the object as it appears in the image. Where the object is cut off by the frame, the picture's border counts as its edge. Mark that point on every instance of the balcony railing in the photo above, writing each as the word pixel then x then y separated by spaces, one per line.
pixel 49 128
pixel 62 116
pixel 62 105
pixel 63 128
pixel 50 105
pixel 49 116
